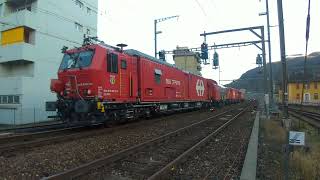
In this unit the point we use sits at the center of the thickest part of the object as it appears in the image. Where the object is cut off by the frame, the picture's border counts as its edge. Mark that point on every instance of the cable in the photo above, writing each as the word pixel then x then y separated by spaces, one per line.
pixel 203 11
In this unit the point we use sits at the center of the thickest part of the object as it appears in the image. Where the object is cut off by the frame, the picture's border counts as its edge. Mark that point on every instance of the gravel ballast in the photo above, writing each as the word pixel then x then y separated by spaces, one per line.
pixel 50 159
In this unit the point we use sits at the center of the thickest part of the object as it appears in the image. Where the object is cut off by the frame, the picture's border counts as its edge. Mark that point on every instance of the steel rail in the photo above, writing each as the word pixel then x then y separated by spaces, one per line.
pixel 31 127
pixel 34 139
pixel 161 173
pixel 80 170
pixel 311 118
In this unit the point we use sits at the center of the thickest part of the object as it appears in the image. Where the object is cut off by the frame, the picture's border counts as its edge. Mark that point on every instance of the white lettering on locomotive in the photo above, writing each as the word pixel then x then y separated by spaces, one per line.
pixel 173 82
pixel 200 87
pixel 85 84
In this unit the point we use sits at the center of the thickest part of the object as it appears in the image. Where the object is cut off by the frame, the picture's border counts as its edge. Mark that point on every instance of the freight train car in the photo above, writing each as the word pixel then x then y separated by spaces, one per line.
pixel 98 82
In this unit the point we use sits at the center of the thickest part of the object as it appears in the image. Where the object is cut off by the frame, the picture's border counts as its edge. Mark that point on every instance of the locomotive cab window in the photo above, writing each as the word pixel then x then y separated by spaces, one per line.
pixel 123 64
pixel 157 76
pixel 112 63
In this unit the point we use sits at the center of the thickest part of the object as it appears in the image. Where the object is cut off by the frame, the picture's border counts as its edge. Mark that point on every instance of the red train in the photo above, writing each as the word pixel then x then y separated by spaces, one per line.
pixel 98 82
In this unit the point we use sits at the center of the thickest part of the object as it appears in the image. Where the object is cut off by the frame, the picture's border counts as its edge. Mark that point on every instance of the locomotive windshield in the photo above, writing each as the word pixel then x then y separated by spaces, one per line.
pixel 76 60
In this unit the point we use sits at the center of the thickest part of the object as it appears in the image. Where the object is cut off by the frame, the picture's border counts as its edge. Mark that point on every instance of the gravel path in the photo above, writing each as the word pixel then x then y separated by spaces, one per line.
pixel 51 159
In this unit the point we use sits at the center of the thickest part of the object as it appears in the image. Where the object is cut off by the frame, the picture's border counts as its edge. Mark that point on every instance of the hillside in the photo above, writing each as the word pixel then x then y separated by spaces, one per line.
pixel 252 80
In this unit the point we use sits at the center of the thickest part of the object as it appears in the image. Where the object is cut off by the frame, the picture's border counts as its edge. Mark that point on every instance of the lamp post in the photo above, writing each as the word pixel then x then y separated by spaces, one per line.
pixel 269 47
pixel 156 32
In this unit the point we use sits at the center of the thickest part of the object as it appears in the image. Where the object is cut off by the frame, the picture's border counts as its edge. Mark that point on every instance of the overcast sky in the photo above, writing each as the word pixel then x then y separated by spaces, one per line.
pixel 131 22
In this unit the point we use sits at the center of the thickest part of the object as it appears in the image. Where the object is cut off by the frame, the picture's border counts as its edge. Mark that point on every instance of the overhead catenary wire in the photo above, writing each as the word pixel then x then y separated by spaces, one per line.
pixel 202 9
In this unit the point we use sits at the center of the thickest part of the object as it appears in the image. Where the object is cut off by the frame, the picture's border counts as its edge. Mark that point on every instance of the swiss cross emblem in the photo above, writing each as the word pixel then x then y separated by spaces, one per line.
pixel 200 87
pixel 112 79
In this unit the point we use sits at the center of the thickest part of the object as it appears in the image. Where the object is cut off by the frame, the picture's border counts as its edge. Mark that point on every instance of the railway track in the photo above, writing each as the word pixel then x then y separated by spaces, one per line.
pixel 311 118
pixel 154 159
pixel 17 141
pixel 21 141
pixel 34 128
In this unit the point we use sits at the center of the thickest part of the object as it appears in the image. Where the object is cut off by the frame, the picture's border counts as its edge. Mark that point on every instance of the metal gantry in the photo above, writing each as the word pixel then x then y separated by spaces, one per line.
pixel 262 48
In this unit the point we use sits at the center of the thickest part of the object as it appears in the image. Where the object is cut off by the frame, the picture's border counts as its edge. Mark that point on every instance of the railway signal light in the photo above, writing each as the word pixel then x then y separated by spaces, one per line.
pixel 204 51
pixel 162 55
pixel 215 60
pixel 258 60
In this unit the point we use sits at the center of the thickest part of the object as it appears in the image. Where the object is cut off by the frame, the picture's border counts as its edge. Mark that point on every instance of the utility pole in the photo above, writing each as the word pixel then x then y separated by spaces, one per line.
pixel 269 48
pixel 156 32
pixel 283 60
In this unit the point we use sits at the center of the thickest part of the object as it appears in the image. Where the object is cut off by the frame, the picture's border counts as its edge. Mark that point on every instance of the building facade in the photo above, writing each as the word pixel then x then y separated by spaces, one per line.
pixel 32 34
pixel 310 95
pixel 187 60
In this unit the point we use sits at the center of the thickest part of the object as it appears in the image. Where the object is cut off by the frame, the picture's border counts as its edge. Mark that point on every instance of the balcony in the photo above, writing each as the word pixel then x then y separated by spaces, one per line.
pixel 19 51
pixel 20 18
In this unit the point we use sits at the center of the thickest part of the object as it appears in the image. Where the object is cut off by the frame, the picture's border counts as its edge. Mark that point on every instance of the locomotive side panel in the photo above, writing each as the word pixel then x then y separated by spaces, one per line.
pixel 198 89
pixel 160 83
pixel 213 91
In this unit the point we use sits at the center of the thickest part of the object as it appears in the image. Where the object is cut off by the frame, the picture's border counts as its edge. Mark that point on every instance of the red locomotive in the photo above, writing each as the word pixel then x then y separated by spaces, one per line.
pixel 98 82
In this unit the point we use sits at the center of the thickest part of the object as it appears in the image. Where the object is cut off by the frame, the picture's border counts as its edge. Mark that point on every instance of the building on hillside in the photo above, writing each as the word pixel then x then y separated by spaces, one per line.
pixel 187 60
pixel 311 92
pixel 32 34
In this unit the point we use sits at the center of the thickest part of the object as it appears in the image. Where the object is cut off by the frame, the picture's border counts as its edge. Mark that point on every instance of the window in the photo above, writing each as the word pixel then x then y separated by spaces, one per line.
pixel 78 26
pixel 298 96
pixel 77 60
pixel 315 85
pixel 79 3
pixel 27 7
pixel 88 10
pixel 16 99
pixel 123 64
pixel 297 86
pixel 9 99
pixel 157 76
pixel 112 63
pixel 1 5
pixel 307 86
pixel 316 96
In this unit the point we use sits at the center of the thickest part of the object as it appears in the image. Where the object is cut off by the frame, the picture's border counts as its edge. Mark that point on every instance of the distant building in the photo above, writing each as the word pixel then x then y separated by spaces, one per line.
pixel 32 34
pixel 311 92
pixel 187 60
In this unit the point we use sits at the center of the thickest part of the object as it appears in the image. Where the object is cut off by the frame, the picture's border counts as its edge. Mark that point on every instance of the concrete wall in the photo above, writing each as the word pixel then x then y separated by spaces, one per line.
pixel 188 63
pixel 27 68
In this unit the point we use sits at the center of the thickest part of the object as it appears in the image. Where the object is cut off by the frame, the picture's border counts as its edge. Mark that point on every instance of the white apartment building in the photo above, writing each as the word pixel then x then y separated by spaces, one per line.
pixel 32 33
